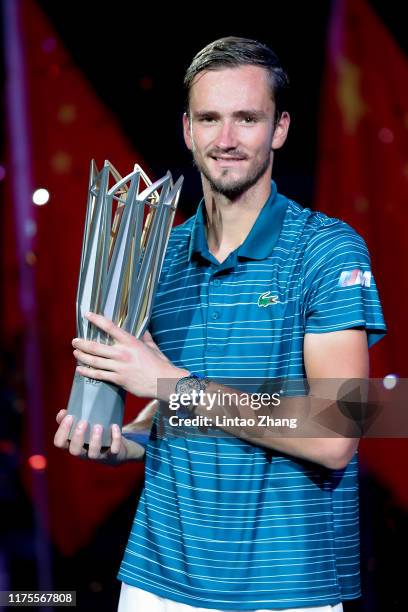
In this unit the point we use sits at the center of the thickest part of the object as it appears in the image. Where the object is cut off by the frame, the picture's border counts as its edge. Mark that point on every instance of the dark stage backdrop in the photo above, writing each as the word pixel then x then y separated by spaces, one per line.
pixel 362 177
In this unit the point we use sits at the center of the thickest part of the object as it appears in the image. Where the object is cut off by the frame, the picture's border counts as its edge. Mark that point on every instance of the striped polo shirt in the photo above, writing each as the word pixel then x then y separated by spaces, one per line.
pixel 223 523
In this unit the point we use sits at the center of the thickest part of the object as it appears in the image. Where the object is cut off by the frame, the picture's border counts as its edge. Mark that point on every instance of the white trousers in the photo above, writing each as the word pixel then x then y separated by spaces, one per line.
pixel 133 599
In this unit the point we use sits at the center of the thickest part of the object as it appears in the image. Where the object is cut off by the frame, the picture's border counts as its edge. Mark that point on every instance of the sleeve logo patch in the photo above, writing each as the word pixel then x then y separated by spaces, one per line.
pixel 355 277
pixel 266 299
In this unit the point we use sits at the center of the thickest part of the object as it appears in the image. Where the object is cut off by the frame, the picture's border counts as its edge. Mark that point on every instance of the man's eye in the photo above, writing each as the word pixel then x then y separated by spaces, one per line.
pixel 248 119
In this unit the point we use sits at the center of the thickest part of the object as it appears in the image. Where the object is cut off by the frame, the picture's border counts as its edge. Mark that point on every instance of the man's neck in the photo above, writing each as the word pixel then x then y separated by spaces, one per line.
pixel 229 222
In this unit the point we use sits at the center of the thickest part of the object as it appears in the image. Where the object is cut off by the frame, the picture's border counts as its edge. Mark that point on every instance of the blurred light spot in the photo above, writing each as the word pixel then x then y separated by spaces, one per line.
pixel 361 204
pixel 30 228
pixel 390 381
pixel 67 113
pixel 95 586
pixel 386 136
pixel 2 172
pixel 48 45
pixel 37 462
pixel 41 197
pixel 31 258
pixel 54 71
pixel 61 162
pixel 146 83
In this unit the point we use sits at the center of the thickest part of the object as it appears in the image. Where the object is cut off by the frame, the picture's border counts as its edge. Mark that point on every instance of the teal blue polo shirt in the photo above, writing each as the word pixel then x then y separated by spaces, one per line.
pixel 222 523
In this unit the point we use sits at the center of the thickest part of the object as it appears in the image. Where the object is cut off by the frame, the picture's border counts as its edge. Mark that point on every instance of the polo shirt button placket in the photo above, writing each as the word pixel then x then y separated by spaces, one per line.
pixel 214 346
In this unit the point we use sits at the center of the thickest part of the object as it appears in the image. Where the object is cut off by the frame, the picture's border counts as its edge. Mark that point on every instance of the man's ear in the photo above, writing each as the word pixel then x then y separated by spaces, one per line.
pixel 187 132
pixel 281 131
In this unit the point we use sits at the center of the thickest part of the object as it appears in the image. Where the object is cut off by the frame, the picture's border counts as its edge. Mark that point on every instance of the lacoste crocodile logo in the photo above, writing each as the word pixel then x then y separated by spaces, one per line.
pixel 266 299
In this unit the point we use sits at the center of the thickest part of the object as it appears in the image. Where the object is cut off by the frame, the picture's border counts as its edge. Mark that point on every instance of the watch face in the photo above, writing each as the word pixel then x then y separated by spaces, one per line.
pixel 188 384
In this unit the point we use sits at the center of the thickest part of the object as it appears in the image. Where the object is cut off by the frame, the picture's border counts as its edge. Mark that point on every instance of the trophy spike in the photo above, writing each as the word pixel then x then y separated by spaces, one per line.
pixel 93 174
pixel 171 202
pixel 92 223
pixel 149 191
pixel 120 255
pixel 144 175
pixel 93 171
pixel 113 171
pixel 123 181
pixel 91 274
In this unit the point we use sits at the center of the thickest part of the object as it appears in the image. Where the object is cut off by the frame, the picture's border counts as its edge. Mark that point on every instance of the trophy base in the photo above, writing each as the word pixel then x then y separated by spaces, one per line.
pixel 97 402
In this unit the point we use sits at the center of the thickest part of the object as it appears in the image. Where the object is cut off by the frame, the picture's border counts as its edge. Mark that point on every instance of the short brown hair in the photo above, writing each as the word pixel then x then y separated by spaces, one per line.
pixel 233 51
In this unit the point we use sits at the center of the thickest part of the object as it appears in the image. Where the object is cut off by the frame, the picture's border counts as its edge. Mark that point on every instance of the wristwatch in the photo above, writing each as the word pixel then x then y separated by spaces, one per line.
pixel 188 384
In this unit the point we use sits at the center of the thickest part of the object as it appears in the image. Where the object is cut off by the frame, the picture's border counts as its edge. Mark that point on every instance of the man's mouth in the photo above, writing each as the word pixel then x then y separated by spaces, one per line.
pixel 222 158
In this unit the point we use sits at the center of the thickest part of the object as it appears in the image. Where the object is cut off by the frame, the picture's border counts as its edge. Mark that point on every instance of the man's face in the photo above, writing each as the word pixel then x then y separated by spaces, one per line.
pixel 230 130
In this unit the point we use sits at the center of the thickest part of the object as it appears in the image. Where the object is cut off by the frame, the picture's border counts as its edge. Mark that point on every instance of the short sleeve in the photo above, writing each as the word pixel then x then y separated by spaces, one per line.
pixel 339 286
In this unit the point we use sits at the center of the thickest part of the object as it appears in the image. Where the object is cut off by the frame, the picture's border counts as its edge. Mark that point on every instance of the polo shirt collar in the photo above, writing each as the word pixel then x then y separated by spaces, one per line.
pixel 262 238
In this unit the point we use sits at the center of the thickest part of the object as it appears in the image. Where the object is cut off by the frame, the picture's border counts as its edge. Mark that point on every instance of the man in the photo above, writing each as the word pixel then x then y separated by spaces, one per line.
pixel 249 294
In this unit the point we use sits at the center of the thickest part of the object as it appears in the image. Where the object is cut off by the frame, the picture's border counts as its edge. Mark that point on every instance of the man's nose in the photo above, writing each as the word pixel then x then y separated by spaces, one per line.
pixel 227 137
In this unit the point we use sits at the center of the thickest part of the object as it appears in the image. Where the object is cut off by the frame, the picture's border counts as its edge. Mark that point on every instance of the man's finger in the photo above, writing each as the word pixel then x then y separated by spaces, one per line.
pixel 61 435
pixel 147 337
pixel 95 442
pixel 148 340
pixel 116 440
pixel 60 415
pixel 91 347
pixel 78 438
pixel 104 375
pixel 109 327
pixel 98 363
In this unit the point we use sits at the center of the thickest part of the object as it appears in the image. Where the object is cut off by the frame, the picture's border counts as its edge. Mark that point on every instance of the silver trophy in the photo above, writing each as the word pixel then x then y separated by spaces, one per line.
pixel 127 228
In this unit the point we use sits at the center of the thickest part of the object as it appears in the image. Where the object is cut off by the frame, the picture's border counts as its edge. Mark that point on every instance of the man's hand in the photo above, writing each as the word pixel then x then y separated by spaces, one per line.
pixel 120 451
pixel 135 365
